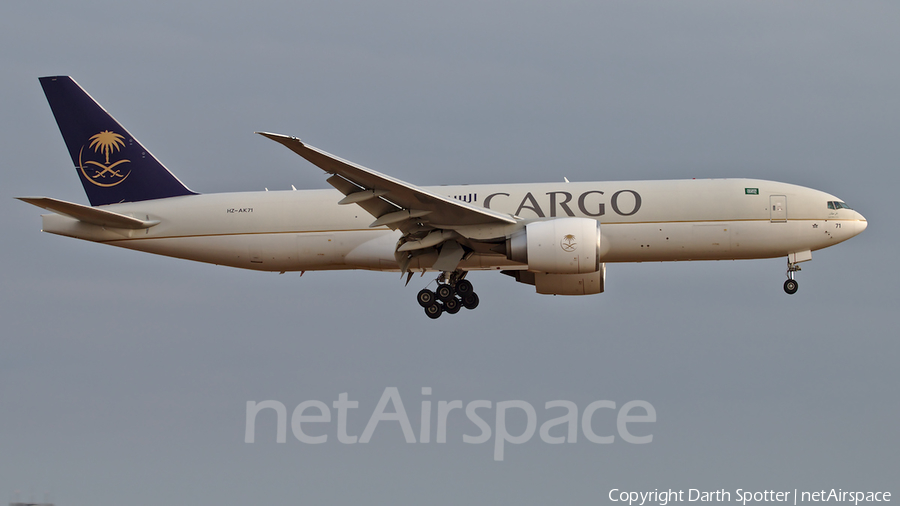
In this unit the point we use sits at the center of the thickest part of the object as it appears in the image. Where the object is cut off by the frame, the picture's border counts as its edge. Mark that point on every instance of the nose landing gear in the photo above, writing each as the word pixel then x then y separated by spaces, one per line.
pixel 452 294
pixel 791 286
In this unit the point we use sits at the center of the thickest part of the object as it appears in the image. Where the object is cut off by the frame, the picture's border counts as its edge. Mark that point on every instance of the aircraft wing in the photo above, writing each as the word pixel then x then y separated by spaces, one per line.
pixel 394 203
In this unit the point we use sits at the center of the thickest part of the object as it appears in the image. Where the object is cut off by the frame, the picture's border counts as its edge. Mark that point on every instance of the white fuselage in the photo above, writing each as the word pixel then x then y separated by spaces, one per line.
pixel 639 221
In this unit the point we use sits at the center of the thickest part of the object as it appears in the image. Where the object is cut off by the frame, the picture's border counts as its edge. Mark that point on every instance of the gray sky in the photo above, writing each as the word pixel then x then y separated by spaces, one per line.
pixel 124 377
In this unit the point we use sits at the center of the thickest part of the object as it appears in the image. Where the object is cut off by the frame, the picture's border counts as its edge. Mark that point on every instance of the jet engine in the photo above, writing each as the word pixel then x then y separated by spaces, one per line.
pixel 563 256
pixel 559 246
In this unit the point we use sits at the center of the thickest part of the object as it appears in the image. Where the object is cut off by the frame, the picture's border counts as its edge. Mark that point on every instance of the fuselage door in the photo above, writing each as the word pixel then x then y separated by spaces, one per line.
pixel 777 208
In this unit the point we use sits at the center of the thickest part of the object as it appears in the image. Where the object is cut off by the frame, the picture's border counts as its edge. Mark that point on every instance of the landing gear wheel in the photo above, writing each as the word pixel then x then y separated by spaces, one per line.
pixel 425 297
pixel 434 310
pixel 452 305
pixel 791 286
pixel 444 292
pixel 464 287
pixel 470 300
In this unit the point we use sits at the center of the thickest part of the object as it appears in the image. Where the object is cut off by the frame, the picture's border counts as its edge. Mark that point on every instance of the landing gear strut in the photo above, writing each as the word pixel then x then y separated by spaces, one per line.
pixel 791 285
pixel 452 293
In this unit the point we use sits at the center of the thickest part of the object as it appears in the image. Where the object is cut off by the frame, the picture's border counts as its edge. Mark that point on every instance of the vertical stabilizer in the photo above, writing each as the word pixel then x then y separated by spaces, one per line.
pixel 112 165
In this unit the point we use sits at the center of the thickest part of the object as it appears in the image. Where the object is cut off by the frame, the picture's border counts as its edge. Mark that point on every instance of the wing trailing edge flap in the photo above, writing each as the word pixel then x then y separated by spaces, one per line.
pixel 391 201
pixel 450 256
pixel 90 215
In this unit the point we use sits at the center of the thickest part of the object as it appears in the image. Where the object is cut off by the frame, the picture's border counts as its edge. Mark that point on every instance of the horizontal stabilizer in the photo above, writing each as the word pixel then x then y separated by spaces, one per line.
pixel 91 215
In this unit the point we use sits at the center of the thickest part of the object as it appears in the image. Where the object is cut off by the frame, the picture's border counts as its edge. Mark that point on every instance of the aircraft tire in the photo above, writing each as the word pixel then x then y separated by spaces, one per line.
pixel 463 287
pixel 791 286
pixel 425 297
pixel 452 305
pixel 444 292
pixel 434 310
pixel 470 300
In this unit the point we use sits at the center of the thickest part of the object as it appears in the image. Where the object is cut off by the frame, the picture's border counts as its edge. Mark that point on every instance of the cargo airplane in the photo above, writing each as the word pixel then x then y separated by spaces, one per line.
pixel 557 237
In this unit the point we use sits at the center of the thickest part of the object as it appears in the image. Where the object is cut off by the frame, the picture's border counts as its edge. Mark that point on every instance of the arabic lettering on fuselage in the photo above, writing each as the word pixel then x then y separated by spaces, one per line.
pixel 554 204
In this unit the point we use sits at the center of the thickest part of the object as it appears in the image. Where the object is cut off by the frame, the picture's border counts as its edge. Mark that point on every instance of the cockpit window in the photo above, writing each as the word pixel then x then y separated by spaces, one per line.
pixel 837 205
pixel 830 205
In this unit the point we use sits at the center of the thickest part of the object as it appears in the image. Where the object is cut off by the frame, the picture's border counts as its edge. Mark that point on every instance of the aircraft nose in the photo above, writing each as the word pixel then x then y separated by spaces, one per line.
pixel 861 224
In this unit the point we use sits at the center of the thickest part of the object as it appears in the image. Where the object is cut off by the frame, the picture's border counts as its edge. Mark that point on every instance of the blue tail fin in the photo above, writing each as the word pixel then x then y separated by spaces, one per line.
pixel 112 165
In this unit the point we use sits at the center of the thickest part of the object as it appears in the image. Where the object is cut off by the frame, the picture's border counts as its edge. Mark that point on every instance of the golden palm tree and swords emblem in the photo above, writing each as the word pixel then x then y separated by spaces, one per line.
pixel 105 174
pixel 568 243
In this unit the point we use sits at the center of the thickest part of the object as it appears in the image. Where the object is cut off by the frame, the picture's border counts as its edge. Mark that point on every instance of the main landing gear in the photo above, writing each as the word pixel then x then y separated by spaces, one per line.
pixel 449 297
pixel 791 285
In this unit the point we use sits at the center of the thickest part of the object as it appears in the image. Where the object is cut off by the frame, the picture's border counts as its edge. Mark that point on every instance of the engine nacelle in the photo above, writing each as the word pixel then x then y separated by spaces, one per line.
pixel 571 284
pixel 559 246
pixel 563 284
